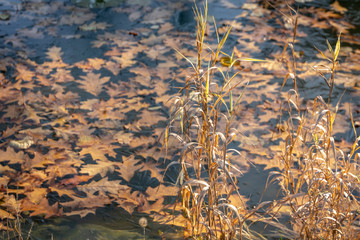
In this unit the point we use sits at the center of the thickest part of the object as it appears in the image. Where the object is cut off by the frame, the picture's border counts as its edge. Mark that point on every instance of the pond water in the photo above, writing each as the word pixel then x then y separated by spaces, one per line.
pixel 84 98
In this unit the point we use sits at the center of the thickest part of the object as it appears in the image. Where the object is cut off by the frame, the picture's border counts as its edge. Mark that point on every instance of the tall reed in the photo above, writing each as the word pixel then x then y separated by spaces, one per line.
pixel 320 181
pixel 201 121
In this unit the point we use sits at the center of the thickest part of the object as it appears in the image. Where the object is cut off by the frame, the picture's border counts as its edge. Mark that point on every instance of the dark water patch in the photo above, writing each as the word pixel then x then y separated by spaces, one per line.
pixel 75 50
pixel 142 180
pixel 109 223
pixel 115 19
pixel 98 3
pixel 252 185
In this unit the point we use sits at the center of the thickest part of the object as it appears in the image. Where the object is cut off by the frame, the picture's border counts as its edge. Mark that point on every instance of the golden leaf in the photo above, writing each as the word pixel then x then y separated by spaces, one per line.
pixel 338 8
pixel 128 168
pixel 12 156
pixel 42 208
pixel 37 195
pixel 6 215
pixel 101 168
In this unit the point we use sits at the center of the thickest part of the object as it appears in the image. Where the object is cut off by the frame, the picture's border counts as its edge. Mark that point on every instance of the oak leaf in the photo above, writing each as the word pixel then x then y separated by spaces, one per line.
pixel 62 75
pixel 32 114
pixel 61 191
pixel 93 83
pixel 37 195
pixel 12 156
pixel 33 32
pixel 42 208
pixel 60 169
pixel 160 192
pixel 91 63
pixel 75 180
pixel 86 205
pixel 158 15
pixel 126 59
pixel 23 73
pixel 82 213
pixel 104 185
pixel 128 168
pixel 127 200
pixel 113 67
pixel 102 168
pixel 54 54
pixel 5 215
pixel 11 204
pixel 338 8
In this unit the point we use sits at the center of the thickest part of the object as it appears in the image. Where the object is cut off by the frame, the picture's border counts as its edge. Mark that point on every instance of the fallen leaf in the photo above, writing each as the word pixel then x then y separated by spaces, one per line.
pixel 86 205
pixel 23 73
pixel 42 208
pixel 24 143
pixel 93 26
pixel 12 156
pixel 82 213
pixel 93 83
pixel 104 186
pixel 161 191
pixel 338 8
pixel 75 180
pixel 37 195
pixel 113 67
pixel 6 215
pixel 4 15
pixel 101 168
pixel 128 168
pixel 54 54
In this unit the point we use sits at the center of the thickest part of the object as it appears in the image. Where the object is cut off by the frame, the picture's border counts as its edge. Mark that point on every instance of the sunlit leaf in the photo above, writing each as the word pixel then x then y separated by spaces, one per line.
pixel 337 48
pixel 6 215
pixel 11 156
pixel 43 208
pixel 102 168
pixel 330 48
pixel 337 7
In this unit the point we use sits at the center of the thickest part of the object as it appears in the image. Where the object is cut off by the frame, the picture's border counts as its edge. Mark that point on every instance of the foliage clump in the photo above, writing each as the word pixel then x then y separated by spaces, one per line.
pixel 201 122
pixel 319 181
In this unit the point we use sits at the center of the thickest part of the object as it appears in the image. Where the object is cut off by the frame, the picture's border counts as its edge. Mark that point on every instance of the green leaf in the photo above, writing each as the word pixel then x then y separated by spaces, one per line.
pixel 207 85
pixel 322 54
pixel 337 48
pixel 330 48
pixel 231 102
pixel 251 60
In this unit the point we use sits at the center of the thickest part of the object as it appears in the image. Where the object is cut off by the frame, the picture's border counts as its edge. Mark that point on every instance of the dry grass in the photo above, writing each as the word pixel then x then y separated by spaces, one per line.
pixel 319 181
pixel 12 226
pixel 201 122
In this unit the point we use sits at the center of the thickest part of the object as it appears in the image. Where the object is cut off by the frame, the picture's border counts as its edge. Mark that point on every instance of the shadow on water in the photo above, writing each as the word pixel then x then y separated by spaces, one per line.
pixel 253 185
